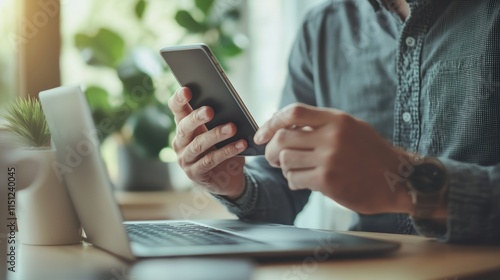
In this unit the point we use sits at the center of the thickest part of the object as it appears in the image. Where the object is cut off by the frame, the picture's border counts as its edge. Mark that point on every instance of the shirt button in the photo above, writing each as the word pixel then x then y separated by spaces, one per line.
pixel 406 117
pixel 410 41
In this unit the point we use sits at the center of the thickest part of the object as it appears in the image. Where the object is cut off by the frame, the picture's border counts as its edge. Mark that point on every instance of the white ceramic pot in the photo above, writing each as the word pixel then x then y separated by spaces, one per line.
pixel 45 213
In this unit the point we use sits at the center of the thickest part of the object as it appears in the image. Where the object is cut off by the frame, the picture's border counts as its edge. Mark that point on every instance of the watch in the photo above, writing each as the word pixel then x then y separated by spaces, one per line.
pixel 427 185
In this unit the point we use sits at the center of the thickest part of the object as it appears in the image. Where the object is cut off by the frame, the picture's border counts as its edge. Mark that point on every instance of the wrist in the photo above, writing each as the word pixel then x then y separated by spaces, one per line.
pixel 397 178
pixel 245 204
pixel 240 190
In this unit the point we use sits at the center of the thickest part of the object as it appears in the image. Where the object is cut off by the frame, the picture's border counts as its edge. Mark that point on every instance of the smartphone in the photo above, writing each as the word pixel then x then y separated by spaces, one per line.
pixel 195 67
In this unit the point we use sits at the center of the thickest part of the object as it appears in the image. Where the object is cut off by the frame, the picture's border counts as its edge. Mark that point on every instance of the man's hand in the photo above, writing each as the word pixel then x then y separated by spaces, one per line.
pixel 218 170
pixel 332 152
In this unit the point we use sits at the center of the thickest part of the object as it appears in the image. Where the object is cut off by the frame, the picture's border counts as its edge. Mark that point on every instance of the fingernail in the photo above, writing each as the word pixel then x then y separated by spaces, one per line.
pixel 240 146
pixel 203 114
pixel 258 138
pixel 180 97
pixel 226 130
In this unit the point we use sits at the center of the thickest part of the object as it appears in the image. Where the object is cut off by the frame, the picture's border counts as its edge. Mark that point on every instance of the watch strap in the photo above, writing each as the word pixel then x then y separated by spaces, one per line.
pixel 424 205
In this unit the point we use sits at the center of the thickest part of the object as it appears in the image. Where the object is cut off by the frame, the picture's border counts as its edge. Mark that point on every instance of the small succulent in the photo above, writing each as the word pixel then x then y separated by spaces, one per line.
pixel 26 120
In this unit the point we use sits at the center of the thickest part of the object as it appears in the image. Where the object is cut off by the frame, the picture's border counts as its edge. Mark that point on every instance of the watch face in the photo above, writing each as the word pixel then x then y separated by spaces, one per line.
pixel 428 178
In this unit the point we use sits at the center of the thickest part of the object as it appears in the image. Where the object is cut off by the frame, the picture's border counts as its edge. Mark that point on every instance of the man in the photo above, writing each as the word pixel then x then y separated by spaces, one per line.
pixel 413 142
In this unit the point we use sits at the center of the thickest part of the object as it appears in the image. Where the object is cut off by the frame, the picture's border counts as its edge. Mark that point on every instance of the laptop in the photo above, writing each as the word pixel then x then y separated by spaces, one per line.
pixel 76 140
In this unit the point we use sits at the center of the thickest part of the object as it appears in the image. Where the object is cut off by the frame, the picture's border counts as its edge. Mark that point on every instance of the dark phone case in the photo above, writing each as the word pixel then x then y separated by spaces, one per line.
pixel 195 67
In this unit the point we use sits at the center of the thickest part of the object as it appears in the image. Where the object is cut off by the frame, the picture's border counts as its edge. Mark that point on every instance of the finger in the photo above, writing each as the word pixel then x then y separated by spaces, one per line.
pixel 207 140
pixel 303 179
pixel 178 104
pixel 293 115
pixel 291 159
pixel 297 139
pixel 214 158
pixel 187 128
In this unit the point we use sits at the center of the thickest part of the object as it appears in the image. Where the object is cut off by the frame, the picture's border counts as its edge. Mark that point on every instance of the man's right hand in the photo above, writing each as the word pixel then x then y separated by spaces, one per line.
pixel 218 170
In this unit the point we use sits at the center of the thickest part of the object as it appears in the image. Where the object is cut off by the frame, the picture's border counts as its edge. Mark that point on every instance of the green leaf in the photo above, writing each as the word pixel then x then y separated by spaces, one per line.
pixel 137 84
pixel 140 8
pixel 232 14
pixel 204 5
pixel 82 40
pixel 105 48
pixel 149 129
pixel 186 20
pixel 102 112
pixel 98 98
pixel 227 46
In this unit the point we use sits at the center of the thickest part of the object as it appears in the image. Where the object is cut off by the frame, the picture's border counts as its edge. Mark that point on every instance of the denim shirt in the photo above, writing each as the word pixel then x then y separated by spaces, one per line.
pixel 431 84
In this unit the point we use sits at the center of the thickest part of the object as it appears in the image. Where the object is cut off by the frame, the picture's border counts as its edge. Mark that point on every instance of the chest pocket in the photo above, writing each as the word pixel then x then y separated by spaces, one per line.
pixel 461 110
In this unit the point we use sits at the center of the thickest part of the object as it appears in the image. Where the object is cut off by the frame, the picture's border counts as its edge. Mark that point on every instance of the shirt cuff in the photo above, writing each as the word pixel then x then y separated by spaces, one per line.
pixel 245 204
pixel 468 198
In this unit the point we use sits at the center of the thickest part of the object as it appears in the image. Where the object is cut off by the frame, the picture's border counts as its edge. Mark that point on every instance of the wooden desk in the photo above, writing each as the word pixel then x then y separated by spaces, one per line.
pixel 418 258
pixel 194 204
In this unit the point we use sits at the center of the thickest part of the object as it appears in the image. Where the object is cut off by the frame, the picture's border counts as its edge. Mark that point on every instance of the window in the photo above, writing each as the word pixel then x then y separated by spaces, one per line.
pixel 8 78
pixel 272 31
pixel 29 53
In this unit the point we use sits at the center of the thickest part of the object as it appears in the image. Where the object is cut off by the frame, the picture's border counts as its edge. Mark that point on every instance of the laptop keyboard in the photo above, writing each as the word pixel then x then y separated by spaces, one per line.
pixel 181 234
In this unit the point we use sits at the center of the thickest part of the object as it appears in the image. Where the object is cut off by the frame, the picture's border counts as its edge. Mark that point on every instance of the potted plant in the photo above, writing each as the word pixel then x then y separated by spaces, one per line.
pixel 25 119
pixel 44 210
pixel 135 116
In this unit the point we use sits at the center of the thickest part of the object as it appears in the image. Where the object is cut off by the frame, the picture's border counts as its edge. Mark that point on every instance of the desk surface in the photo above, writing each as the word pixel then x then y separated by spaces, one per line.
pixel 418 257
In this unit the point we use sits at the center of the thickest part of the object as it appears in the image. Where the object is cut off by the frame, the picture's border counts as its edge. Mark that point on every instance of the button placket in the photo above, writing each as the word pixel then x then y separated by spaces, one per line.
pixel 407 124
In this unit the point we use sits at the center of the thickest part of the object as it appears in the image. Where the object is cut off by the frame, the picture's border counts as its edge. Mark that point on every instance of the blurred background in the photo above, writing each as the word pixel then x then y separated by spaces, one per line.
pixel 111 48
